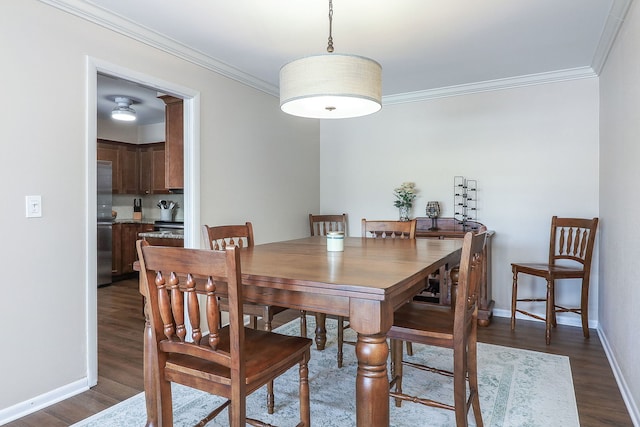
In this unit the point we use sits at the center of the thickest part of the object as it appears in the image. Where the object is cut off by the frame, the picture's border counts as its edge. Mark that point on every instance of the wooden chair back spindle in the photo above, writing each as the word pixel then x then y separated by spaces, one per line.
pixel 170 278
pixel 389 229
pixel 220 237
pixel 571 239
pixel 320 225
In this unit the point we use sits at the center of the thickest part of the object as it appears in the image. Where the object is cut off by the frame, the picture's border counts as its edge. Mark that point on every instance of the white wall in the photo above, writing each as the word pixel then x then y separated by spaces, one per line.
pixel 249 154
pixel 122 131
pixel 272 171
pixel 533 150
pixel 130 132
pixel 619 206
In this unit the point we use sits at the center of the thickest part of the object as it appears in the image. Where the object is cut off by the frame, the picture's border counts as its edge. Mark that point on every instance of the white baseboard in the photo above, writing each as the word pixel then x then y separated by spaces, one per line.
pixel 40 402
pixel 634 413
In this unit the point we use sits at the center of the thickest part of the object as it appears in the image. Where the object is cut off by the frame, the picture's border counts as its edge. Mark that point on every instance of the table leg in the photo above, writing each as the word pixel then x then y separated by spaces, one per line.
pixel 372 383
pixel 321 331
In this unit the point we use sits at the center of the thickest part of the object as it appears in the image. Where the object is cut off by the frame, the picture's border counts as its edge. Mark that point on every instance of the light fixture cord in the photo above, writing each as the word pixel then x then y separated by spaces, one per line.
pixel 330 45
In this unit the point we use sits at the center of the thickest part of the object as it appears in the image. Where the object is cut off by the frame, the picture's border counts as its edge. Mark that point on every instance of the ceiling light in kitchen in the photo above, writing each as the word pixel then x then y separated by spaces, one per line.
pixel 123 110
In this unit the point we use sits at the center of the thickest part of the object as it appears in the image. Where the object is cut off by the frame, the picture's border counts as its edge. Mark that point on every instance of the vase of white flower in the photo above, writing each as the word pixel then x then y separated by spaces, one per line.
pixel 405 195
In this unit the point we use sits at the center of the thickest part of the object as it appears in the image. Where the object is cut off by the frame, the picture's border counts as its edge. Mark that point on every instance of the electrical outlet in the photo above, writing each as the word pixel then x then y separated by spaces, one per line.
pixel 33 206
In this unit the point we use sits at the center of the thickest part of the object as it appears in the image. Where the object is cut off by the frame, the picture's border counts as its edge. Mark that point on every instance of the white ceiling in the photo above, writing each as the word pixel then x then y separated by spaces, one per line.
pixel 149 109
pixel 427 48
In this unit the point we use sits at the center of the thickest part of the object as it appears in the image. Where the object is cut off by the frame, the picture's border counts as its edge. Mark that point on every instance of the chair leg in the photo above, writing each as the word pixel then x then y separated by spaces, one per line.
pixel 267 317
pixel 305 411
pixel 321 330
pixel 340 339
pixel 303 323
pixel 550 317
pixel 166 401
pixel 554 320
pixel 396 367
pixel 584 308
pixel 238 413
pixel 514 298
pixel 409 348
pixel 460 387
pixel 472 367
pixel 270 398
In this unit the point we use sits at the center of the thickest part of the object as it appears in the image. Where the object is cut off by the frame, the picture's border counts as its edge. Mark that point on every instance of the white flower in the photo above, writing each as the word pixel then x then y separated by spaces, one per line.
pixel 405 194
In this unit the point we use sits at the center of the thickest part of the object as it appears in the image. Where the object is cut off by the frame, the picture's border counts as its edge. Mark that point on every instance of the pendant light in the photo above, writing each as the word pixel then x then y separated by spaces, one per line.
pixel 123 110
pixel 331 86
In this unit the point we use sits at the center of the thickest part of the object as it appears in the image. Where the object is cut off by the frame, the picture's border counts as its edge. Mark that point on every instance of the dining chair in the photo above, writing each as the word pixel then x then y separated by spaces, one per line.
pixel 380 230
pixel 320 225
pixel 454 275
pixel 223 236
pixel 570 250
pixel 230 361
pixel 449 327
pixel 393 229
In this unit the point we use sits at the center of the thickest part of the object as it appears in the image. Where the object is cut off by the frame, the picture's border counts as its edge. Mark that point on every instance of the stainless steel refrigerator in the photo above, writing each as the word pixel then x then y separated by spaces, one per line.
pixel 105 222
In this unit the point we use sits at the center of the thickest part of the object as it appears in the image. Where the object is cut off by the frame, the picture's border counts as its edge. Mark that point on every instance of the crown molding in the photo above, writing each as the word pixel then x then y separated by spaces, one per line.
pixel 612 26
pixel 490 85
pixel 126 27
pixel 616 16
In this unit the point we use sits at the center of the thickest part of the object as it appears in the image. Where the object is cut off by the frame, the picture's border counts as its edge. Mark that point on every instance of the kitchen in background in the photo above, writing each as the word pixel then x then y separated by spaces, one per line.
pixel 123 204
pixel 146 157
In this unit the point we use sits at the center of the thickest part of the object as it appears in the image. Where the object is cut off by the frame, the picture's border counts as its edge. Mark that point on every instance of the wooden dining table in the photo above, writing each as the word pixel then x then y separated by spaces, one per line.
pixel 366 282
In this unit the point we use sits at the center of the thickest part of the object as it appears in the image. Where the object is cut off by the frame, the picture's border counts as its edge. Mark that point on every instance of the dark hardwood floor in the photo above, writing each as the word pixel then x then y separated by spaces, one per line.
pixel 120 327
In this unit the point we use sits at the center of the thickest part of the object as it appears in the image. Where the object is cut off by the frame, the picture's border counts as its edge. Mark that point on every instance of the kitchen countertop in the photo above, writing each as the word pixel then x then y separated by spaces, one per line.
pixel 133 221
pixel 173 234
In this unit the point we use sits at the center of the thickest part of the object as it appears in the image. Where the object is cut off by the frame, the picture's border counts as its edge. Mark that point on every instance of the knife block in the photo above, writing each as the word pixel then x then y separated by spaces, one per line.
pixel 137 215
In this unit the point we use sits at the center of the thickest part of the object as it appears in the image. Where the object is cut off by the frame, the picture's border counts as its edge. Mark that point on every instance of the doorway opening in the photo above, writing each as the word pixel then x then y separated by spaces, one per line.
pixel 97 70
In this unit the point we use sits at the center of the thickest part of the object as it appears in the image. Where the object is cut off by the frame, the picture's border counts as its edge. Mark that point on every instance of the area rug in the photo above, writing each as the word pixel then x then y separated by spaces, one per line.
pixel 517 388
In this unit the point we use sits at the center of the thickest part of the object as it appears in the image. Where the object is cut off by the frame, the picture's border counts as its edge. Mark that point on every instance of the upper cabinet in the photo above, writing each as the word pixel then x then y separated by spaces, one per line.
pixel 136 169
pixel 174 142
pixel 129 169
pixel 152 174
pixel 124 165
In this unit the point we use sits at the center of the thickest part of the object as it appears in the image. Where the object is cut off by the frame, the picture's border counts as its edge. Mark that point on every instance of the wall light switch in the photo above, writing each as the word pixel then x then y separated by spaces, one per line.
pixel 34 206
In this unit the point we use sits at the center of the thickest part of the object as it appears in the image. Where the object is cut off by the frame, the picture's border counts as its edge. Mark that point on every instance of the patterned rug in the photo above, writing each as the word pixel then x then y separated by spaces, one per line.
pixel 517 388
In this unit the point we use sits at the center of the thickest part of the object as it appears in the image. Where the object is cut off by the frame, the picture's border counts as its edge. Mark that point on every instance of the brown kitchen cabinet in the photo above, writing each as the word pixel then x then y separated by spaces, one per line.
pixel 125 236
pixel 174 142
pixel 129 169
pixel 152 169
pixel 136 169
pixel 124 165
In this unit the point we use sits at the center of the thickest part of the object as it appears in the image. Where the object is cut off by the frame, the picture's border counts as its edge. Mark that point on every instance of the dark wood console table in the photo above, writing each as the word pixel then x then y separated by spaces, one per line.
pixel 450 228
